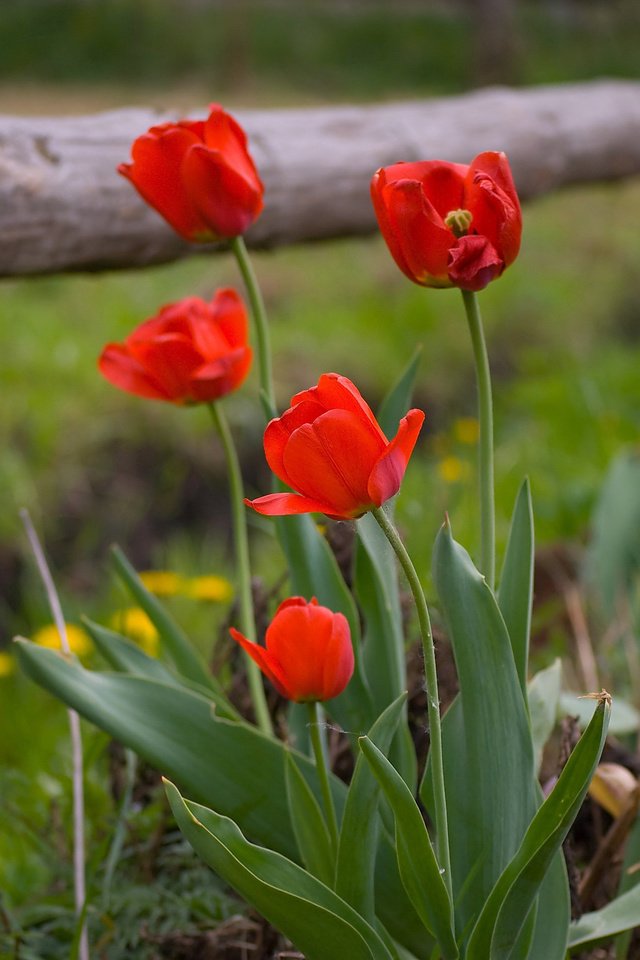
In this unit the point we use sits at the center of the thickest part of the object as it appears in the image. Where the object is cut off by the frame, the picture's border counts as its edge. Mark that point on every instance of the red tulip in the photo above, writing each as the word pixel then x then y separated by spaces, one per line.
pixel 191 352
pixel 308 654
pixel 447 224
pixel 329 447
pixel 198 175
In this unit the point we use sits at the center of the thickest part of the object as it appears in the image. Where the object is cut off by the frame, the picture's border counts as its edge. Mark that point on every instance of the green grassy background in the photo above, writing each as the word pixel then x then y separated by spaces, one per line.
pixel 94 465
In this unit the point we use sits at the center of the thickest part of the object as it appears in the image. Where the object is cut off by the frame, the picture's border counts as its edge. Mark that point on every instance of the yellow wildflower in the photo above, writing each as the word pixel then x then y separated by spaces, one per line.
pixel 7 664
pixel 48 636
pixel 216 589
pixel 452 469
pixel 164 583
pixel 466 430
pixel 134 623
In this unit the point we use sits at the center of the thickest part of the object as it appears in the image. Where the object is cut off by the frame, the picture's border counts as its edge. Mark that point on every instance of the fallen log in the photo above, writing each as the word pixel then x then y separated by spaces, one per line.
pixel 63 207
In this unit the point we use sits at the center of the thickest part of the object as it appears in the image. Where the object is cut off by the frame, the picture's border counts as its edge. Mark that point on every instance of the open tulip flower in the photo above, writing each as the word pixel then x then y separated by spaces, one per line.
pixel 328 446
pixel 191 352
pixel 308 654
pixel 199 175
pixel 448 224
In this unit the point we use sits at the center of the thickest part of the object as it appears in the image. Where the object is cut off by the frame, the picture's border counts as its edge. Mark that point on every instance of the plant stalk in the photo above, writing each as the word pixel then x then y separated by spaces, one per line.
pixel 261 324
pixel 433 702
pixel 323 772
pixel 243 569
pixel 80 891
pixel 485 417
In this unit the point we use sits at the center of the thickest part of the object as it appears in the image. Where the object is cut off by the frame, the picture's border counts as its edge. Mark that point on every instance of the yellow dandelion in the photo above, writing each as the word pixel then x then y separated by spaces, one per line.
pixel 48 636
pixel 216 589
pixel 164 583
pixel 134 623
pixel 466 430
pixel 452 469
pixel 7 664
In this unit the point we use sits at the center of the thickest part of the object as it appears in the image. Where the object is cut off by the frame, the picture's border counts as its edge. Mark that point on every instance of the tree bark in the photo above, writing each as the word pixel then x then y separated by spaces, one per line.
pixel 63 206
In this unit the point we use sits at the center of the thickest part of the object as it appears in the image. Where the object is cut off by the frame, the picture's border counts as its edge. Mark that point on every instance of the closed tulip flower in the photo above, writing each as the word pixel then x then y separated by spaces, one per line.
pixel 329 447
pixel 191 352
pixel 448 224
pixel 307 654
pixel 199 175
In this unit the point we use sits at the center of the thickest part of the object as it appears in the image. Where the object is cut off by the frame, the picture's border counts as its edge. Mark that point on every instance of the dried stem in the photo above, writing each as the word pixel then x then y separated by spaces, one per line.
pixel 76 737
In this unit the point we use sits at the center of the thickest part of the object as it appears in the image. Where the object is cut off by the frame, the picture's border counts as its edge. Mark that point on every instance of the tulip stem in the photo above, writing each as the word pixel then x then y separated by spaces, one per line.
pixel 261 324
pixel 431 681
pixel 243 570
pixel 323 772
pixel 485 410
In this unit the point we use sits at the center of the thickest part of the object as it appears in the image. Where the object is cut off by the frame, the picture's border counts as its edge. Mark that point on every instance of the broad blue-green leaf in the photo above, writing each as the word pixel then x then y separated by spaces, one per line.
pixel 553 914
pixel 624 717
pixel 126 657
pixel 515 595
pixel 417 861
pixel 315 919
pixel 313 572
pixel 621 914
pixel 398 401
pixel 228 765
pixel 181 651
pixel 376 587
pixel 613 561
pixel 511 899
pixel 629 879
pixel 488 752
pixel 360 822
pixel 309 826
pixel 544 695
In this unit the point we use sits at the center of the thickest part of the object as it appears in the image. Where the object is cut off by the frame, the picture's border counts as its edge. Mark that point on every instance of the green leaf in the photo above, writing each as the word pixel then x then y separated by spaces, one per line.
pixel 376 587
pixel 629 879
pixel 397 402
pixel 613 560
pixel 513 896
pixel 621 914
pixel 309 827
pixel 553 913
pixel 126 657
pixel 515 595
pixel 488 753
pixel 313 572
pixel 624 717
pixel 314 918
pixel 360 822
pixel 544 695
pixel 181 651
pixel 228 765
pixel 417 861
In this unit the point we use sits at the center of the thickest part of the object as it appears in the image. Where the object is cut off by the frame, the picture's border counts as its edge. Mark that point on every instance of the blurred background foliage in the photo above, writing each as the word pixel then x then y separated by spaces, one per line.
pixel 94 465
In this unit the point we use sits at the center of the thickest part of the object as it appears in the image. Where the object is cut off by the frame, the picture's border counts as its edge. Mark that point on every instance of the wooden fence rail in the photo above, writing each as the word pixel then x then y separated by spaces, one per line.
pixel 63 207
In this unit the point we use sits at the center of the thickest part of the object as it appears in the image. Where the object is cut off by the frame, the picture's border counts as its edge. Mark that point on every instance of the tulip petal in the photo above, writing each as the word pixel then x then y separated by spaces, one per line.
pixel 278 431
pixel 172 360
pixel 387 474
pixel 223 198
pixel 219 377
pixel 287 504
pixel 420 233
pixel 122 370
pixel 265 660
pixel 231 316
pixel 474 263
pixel 224 134
pixel 156 175
pixel 493 202
pixel 338 658
pixel 330 461
pixel 335 392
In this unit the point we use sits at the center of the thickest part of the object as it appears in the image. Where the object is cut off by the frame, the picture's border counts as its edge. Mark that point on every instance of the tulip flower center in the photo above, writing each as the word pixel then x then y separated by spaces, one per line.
pixel 459 222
